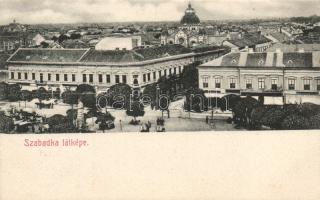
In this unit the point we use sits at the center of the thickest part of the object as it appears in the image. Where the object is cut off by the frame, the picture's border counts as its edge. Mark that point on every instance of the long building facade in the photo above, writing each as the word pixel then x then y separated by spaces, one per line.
pixel 293 77
pixel 61 68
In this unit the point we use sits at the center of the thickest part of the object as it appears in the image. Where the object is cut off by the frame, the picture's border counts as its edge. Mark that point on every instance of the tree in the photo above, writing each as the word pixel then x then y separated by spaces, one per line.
pixel 273 117
pixel 3 90
pixel 6 123
pixel 189 76
pixel 88 99
pixel 26 95
pixel 14 92
pixel 315 121
pixel 151 91
pixel 136 110
pixel 102 119
pixel 309 109
pixel 242 110
pixel 87 95
pixel 119 93
pixel 70 97
pixel 61 124
pixel 195 100
pixel 257 115
pixel 295 122
pixel 85 88
pixel 232 100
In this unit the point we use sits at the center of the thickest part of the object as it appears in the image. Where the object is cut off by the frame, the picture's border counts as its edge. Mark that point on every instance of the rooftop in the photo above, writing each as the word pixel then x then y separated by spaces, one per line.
pixel 269 59
pixel 249 40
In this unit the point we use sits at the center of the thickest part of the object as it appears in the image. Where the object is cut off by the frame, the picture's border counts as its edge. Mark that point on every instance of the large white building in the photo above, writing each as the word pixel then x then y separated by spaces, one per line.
pixel 118 42
pixel 293 77
pixel 189 33
pixel 60 68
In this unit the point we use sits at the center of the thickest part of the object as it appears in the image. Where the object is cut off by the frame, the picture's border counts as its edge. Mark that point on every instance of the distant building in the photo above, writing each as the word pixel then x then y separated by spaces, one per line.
pixel 14 27
pixel 256 42
pixel 118 42
pixel 189 33
pixel 293 77
pixel 102 69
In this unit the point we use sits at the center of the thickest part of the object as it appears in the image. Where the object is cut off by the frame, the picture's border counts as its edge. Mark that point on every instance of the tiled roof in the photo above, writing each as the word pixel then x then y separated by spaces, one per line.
pixel 249 40
pixel 270 59
pixel 294 47
pixel 48 55
pixel 96 56
pixel 111 56
pixel 162 51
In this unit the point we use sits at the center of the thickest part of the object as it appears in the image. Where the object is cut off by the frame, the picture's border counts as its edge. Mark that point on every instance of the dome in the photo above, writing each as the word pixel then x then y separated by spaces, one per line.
pixel 190 16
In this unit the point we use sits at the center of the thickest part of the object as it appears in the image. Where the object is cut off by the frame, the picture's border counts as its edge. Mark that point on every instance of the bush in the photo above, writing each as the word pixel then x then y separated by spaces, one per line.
pixel 295 122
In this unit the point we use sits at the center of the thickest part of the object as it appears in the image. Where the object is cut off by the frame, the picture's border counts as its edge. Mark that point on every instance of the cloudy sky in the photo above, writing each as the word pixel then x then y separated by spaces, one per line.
pixel 70 11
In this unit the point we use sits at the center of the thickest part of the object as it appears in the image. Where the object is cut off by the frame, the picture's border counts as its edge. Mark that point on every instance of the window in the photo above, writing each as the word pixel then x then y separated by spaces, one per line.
pixel 57 77
pixel 159 74
pixel 149 77
pixel 100 78
pixel 25 76
pixel 12 75
pixel 41 77
pixel 318 84
pixel 165 72
pixel 249 84
pixel 218 82
pixel 65 77
pixel 261 83
pixel 135 80
pixel 170 71
pixel 205 82
pixel 291 84
pixel 108 78
pixel 274 84
pixel 73 77
pixel 179 69
pixel 306 84
pixel 154 75
pixel 144 78
pixel 90 78
pixel 49 77
pixel 117 77
pixel 33 76
pixel 84 78
pixel 124 79
pixel 19 75
pixel 175 70
pixel 232 83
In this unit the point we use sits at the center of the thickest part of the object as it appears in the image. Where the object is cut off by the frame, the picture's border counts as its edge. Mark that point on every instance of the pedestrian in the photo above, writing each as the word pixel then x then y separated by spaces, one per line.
pixel 207 119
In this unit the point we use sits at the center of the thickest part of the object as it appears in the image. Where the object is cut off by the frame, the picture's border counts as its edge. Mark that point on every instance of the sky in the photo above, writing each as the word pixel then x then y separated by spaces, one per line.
pixel 75 11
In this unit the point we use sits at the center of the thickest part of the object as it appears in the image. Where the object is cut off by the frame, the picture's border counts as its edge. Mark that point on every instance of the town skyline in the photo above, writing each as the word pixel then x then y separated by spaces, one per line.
pixel 98 11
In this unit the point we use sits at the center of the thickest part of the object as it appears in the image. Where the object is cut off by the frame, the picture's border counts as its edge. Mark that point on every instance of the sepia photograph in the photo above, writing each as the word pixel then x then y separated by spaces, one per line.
pixel 159 66
pixel 159 100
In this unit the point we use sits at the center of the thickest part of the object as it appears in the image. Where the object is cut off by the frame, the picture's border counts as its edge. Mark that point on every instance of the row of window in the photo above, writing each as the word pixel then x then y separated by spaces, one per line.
pixel 217 82
pixel 261 83
pixel 147 77
pixel 66 77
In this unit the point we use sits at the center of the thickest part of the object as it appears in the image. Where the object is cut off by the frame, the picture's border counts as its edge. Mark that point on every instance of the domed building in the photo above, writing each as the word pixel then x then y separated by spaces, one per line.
pixel 189 33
